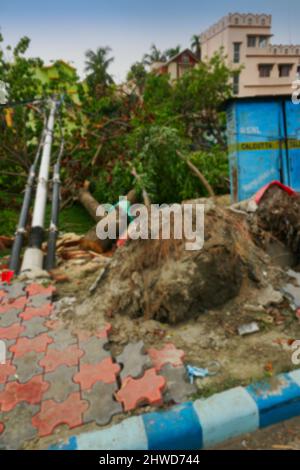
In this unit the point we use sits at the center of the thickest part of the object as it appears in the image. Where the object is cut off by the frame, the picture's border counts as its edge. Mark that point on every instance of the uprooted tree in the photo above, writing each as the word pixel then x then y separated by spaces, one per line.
pixel 109 128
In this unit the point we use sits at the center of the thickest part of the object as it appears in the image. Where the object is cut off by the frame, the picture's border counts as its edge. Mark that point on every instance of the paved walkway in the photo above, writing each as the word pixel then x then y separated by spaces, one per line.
pixel 55 376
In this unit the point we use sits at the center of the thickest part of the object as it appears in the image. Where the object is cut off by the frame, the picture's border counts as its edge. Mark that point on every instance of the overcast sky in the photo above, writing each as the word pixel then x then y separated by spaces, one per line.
pixel 65 29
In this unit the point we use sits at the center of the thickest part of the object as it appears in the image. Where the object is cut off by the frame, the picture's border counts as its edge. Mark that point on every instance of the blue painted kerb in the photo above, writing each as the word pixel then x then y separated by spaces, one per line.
pixel 200 424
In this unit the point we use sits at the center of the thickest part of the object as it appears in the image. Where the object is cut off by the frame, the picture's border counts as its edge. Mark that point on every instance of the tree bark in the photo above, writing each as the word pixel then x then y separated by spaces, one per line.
pixel 88 201
pixel 91 241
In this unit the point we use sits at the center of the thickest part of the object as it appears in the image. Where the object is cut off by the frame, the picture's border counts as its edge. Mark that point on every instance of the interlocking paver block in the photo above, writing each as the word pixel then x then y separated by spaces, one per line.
pixel 53 414
pixel 133 360
pixel 15 290
pixel 38 301
pixel 6 370
pixel 37 289
pixel 14 393
pixel 135 392
pixel 17 304
pixel 106 371
pixel 178 388
pixel 32 312
pixel 11 317
pixel 28 366
pixel 62 338
pixel 17 427
pixel 169 354
pixel 55 358
pixel 94 350
pixel 34 327
pixel 11 332
pixel 102 404
pixel 25 345
pixel 61 383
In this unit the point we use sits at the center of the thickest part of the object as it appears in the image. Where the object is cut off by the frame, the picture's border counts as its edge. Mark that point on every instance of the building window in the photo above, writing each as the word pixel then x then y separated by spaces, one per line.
pixel 263 22
pixel 263 41
pixel 284 70
pixel 236 52
pixel 286 51
pixel 297 51
pixel 250 21
pixel 265 70
pixel 251 41
pixel 275 51
pixel 236 20
pixel 236 83
pixel 185 59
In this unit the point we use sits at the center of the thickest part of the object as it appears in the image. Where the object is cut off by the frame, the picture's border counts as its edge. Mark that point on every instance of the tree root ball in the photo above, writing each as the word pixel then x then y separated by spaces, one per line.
pixel 159 279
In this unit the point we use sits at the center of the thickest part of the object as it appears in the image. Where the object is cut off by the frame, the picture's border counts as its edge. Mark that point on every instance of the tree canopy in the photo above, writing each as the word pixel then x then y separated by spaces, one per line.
pixel 110 128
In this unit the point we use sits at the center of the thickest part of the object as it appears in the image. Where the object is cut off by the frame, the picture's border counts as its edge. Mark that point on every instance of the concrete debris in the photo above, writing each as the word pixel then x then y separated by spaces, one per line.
pixel 248 329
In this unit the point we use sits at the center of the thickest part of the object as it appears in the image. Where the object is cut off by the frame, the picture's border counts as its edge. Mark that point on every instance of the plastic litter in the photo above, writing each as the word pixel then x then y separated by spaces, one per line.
pixel 199 372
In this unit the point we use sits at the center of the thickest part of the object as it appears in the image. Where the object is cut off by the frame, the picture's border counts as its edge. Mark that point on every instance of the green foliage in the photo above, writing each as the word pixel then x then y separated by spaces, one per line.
pixel 158 165
pixel 9 220
pixel 155 55
pixel 109 185
pixel 215 167
pixel 72 219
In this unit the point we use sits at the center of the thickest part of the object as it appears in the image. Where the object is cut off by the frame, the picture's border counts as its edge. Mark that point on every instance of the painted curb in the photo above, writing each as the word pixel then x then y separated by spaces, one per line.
pixel 200 424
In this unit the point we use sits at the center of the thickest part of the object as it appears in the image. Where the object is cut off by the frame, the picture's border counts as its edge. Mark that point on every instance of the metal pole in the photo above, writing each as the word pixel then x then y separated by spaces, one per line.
pixel 53 230
pixel 21 229
pixel 33 256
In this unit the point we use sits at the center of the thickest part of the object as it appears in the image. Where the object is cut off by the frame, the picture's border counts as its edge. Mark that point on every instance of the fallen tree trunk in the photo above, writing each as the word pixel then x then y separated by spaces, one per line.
pixel 91 240
pixel 88 201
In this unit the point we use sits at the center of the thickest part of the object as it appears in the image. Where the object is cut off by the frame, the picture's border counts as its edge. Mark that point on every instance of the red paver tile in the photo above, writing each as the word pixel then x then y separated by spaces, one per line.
pixel 105 371
pixel 55 358
pixel 31 312
pixel 169 354
pixel 148 390
pixel 1 428
pixel 37 289
pixel 11 332
pixel 105 332
pixel 16 304
pixel 31 392
pixel 53 414
pixel 5 371
pixel 25 345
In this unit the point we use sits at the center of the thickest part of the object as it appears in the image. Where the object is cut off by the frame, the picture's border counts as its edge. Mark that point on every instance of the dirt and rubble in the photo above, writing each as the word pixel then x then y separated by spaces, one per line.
pixel 157 291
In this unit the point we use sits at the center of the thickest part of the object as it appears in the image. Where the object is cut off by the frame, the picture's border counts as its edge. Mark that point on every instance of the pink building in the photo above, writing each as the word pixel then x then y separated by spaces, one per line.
pixel 267 69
